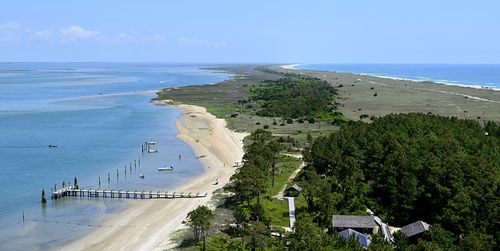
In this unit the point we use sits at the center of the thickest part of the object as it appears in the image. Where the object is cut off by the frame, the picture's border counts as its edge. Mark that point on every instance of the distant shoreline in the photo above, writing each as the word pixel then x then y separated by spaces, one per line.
pixel 376 96
pixel 430 81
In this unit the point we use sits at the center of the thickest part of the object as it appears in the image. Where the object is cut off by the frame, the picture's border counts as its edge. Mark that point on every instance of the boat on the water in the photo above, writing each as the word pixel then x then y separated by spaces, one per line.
pixel 150 142
pixel 166 168
pixel 141 176
pixel 152 150
pixel 52 146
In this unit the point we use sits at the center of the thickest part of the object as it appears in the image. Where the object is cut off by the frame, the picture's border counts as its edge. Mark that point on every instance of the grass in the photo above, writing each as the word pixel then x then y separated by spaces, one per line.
pixel 277 210
pixel 221 99
pixel 285 169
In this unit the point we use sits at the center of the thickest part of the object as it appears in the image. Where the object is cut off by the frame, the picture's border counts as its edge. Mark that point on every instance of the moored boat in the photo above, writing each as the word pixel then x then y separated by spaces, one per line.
pixel 166 168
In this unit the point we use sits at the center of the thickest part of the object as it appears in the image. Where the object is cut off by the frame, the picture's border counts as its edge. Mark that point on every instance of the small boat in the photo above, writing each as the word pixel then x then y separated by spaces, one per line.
pixel 52 146
pixel 150 142
pixel 166 168
pixel 141 176
pixel 152 150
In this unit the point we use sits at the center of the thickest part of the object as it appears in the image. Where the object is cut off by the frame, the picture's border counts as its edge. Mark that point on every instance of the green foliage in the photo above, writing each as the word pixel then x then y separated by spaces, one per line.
pixel 401 242
pixel 259 167
pixel 378 243
pixel 308 236
pixel 222 243
pixel 257 235
pixel 410 167
pixel 473 242
pixel 200 221
pixel 293 97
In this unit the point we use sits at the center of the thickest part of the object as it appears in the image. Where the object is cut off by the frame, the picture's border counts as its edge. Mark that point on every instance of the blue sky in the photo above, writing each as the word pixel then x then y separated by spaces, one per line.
pixel 383 31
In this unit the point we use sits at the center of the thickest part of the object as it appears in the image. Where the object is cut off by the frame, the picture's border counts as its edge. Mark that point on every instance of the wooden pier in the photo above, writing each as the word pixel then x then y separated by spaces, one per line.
pixel 125 194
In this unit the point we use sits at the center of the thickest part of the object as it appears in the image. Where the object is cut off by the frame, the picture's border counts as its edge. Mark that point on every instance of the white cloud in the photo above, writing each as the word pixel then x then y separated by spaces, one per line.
pixel 186 41
pixel 135 37
pixel 12 31
pixel 75 32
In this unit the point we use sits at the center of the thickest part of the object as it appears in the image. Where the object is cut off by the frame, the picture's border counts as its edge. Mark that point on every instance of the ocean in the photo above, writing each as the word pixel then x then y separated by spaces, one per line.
pixel 98 115
pixel 471 75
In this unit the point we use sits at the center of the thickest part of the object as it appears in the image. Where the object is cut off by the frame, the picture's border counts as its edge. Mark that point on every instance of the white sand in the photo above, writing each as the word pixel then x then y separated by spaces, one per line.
pixel 148 224
pixel 289 66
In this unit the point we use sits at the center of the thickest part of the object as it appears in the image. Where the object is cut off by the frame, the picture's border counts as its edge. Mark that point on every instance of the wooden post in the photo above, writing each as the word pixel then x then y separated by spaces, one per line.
pixel 108 178
pixel 99 181
pixel 23 217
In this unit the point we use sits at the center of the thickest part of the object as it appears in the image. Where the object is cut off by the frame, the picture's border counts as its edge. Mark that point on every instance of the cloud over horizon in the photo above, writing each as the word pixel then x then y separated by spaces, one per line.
pixel 15 32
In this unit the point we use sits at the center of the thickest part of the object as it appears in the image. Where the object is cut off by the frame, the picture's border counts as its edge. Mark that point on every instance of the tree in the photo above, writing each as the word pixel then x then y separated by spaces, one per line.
pixel 401 242
pixel 412 167
pixel 308 236
pixel 439 236
pixel 473 242
pixel 256 235
pixel 309 138
pixel 379 243
pixel 200 221
pixel 274 147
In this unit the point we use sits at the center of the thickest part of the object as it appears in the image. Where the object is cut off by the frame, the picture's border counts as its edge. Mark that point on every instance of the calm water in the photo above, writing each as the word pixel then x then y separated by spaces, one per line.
pixel 459 74
pixel 99 115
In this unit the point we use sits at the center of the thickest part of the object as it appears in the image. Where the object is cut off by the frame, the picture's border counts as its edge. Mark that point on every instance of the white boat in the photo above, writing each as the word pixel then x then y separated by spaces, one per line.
pixel 141 176
pixel 152 150
pixel 166 168
pixel 151 143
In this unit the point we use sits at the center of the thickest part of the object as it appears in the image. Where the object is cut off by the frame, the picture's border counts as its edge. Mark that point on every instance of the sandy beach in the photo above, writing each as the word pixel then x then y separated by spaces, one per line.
pixel 148 224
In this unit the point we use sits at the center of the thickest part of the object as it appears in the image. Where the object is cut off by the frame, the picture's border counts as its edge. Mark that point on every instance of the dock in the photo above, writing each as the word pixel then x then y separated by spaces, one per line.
pixel 124 194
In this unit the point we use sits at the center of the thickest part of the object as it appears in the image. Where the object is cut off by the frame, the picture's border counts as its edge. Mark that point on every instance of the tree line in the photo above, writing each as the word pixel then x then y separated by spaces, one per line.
pixel 296 96
pixel 409 167
pixel 404 167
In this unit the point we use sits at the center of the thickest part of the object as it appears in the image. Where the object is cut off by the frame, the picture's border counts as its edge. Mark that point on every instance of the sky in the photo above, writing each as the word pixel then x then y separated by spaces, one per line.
pixel 257 31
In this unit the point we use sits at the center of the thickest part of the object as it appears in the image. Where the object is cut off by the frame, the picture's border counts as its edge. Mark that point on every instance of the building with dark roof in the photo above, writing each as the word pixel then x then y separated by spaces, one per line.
pixel 362 224
pixel 293 191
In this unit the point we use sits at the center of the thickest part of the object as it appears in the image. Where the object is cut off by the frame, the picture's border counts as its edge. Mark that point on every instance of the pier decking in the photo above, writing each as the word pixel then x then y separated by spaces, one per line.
pixel 126 194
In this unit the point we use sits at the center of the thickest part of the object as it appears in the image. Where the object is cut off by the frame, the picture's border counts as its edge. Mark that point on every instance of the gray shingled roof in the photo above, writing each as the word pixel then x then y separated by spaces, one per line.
pixel 415 228
pixel 353 221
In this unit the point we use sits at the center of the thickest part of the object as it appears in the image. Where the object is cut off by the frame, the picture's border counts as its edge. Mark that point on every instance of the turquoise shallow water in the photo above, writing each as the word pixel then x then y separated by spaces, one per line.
pixel 99 115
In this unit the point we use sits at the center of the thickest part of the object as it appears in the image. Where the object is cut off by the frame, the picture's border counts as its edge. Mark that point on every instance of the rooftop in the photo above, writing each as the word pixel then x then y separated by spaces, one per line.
pixel 415 228
pixel 353 221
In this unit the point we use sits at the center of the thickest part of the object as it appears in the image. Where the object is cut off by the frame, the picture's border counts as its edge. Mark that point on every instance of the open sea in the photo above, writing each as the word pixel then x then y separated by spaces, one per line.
pixel 471 75
pixel 98 115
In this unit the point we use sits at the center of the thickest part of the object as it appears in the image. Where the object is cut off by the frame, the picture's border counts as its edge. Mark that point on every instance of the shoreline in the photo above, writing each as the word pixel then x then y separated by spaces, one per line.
pixel 429 81
pixel 148 224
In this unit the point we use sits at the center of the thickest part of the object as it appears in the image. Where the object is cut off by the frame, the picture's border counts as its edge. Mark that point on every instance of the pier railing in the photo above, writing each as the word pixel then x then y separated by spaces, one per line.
pixel 126 194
